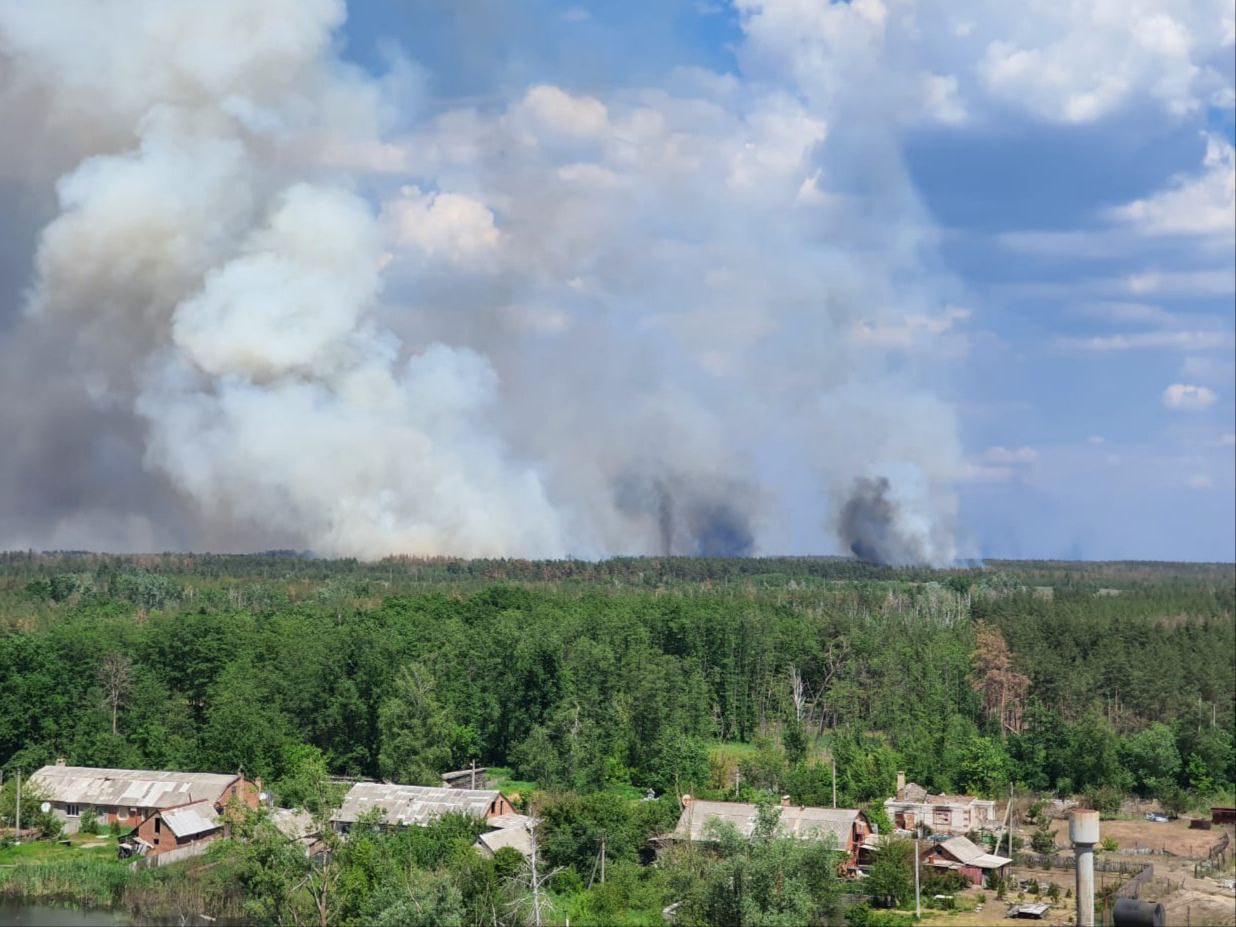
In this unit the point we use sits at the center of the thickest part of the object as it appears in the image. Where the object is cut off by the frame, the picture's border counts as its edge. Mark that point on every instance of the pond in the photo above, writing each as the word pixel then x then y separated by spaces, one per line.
pixel 13 914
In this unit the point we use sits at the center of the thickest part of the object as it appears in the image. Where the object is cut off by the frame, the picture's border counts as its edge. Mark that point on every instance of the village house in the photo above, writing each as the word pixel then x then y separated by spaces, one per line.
pixel 404 805
pixel 132 797
pixel 941 814
pixel 854 834
pixel 182 826
pixel 407 805
pixel 959 854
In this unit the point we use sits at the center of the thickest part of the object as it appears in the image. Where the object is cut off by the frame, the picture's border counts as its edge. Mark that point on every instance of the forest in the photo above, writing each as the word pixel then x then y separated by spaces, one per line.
pixel 584 684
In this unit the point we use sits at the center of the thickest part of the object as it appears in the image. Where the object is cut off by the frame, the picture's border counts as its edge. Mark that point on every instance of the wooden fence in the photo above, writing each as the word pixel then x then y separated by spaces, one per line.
pixel 189 851
pixel 1215 860
pixel 1035 860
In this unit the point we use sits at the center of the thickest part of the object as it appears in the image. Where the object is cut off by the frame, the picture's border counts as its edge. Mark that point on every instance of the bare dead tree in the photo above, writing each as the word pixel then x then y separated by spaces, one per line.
pixel 116 677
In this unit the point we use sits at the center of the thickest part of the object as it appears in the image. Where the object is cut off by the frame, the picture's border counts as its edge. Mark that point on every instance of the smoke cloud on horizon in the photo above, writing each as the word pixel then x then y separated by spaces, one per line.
pixel 272 301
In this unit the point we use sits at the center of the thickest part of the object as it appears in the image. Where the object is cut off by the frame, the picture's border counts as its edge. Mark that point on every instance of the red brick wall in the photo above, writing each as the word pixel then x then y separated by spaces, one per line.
pixel 500 806
pixel 161 839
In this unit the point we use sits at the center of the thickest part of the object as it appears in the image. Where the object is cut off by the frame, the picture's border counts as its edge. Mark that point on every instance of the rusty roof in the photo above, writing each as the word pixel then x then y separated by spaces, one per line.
pixel 135 788
pixel 412 804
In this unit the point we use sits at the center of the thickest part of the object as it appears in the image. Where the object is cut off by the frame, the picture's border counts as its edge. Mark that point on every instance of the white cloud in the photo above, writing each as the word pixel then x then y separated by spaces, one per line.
pixel 999 464
pixel 1059 62
pixel 1200 481
pixel 1181 341
pixel 445 226
pixel 568 114
pixel 1187 397
pixel 909 331
pixel 1179 283
pixel 1095 440
pixel 1005 455
pixel 1126 312
pixel 1201 204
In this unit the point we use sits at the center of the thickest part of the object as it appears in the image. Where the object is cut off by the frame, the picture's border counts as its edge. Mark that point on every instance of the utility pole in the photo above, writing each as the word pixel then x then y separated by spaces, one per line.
pixel 918 906
pixel 602 859
pixel 834 759
pixel 17 836
pixel 474 774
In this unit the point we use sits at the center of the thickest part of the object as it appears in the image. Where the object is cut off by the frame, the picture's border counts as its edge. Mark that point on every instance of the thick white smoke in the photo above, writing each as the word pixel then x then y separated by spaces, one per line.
pixel 565 324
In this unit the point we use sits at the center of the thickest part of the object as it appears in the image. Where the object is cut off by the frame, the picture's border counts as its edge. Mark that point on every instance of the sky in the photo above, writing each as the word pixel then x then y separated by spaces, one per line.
pixel 924 281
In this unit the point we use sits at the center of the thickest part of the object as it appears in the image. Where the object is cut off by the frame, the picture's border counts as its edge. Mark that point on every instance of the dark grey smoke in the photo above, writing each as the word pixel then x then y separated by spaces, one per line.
pixel 868 524
pixel 690 518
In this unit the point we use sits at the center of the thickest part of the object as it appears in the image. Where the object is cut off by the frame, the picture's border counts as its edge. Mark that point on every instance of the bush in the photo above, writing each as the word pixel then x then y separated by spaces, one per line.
pixel 1105 799
pixel 1110 844
pixel 88 823
pixel 862 915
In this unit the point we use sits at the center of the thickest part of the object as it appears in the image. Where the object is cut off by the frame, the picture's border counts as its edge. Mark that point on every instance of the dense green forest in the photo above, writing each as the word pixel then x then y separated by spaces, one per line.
pixel 589 681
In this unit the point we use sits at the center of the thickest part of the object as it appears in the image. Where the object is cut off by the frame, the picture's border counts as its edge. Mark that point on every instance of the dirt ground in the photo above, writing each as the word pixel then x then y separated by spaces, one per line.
pixel 1174 837
pixel 1187 900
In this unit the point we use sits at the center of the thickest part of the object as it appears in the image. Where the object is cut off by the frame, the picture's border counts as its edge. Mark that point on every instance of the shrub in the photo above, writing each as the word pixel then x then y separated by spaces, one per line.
pixel 88 823
pixel 1110 844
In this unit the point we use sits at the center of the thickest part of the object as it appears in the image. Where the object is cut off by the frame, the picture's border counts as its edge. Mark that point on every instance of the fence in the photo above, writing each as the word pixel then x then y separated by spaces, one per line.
pixel 1027 860
pixel 171 856
pixel 1133 887
pixel 1215 860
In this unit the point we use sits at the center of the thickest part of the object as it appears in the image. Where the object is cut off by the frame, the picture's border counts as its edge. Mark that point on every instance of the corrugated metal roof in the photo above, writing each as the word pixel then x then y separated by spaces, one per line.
pixel 803 822
pixel 517 838
pixel 293 824
pixel 135 788
pixel 965 850
pixel 412 804
pixel 191 820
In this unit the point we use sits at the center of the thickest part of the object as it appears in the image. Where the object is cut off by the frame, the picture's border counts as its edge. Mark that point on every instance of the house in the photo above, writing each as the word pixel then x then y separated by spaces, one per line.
pixel 404 805
pixel 510 830
pixel 942 814
pixel 128 797
pixel 959 854
pixel 196 823
pixel 849 827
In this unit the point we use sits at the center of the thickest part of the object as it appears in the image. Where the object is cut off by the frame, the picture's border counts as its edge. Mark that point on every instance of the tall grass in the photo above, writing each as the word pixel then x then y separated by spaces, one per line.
pixel 88 883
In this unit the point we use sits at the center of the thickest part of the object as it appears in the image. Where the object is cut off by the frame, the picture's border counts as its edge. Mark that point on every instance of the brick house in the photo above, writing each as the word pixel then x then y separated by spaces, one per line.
pixel 128 797
pixel 172 828
pixel 958 854
pixel 942 814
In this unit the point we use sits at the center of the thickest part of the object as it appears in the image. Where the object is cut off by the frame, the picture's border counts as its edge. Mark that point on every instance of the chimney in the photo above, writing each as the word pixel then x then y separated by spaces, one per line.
pixel 901 783
pixel 59 761
pixel 785 801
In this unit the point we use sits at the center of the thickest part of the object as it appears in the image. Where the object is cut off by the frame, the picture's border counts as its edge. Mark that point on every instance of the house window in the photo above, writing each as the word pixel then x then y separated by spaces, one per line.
pixel 72 811
pixel 122 814
pixel 158 825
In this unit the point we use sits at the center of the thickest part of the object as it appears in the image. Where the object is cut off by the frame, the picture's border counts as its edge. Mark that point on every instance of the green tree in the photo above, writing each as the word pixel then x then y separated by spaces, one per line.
pixel 415 731
pixel 891 880
pixel 1152 758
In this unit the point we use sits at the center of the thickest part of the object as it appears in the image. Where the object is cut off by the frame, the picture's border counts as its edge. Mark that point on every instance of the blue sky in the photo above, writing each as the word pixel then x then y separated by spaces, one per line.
pixel 1076 450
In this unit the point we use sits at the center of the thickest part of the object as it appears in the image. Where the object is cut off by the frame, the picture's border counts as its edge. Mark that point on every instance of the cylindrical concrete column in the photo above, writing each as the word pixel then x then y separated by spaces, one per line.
pixel 1084 834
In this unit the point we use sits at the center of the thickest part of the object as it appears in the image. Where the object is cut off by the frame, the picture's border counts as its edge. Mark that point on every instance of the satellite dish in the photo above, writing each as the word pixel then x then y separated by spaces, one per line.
pixel 45 807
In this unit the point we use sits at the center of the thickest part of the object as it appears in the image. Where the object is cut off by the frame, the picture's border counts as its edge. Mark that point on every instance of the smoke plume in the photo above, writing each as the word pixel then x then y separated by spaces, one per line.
pixel 270 300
